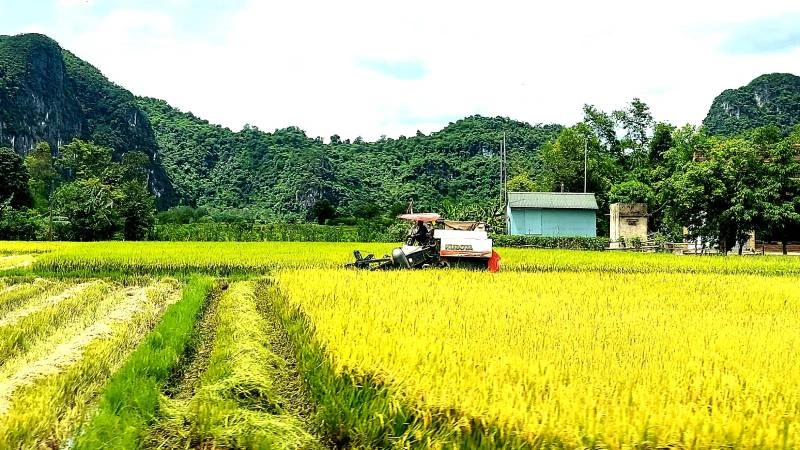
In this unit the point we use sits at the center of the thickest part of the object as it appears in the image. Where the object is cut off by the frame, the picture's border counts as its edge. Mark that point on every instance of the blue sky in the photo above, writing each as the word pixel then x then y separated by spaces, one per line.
pixel 400 70
pixel 192 17
pixel 777 34
pixel 366 68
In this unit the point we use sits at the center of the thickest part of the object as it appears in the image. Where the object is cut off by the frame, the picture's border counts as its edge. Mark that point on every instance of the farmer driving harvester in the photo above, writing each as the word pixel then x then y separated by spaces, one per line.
pixel 419 234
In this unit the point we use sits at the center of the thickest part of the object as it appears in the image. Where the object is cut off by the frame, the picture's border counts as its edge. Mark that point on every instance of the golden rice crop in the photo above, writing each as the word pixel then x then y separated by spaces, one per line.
pixel 182 257
pixel 587 359
pixel 19 294
pixel 256 257
pixel 23 328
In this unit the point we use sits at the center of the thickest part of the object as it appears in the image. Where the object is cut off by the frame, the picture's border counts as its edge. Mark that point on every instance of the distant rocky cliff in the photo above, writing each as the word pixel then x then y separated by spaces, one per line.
pixel 48 94
pixel 772 99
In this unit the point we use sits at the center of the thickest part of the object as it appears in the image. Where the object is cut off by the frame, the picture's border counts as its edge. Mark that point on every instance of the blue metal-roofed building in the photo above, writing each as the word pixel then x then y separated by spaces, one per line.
pixel 552 214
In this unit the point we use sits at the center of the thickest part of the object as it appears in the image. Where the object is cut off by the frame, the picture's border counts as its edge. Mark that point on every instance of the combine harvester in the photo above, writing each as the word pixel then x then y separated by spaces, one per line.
pixel 443 243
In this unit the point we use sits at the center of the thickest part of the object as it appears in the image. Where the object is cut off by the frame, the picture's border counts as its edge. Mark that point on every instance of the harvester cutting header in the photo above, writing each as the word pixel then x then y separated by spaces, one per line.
pixel 434 242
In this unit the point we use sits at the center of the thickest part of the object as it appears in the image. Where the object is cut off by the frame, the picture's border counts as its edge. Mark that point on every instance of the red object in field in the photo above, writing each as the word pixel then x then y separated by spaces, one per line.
pixel 494 262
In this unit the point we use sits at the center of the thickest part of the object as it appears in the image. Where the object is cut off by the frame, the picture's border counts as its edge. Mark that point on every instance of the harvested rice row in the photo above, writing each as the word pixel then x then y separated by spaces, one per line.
pixel 23 328
pixel 106 296
pixel 18 295
pixel 42 403
pixel 16 261
pixel 236 404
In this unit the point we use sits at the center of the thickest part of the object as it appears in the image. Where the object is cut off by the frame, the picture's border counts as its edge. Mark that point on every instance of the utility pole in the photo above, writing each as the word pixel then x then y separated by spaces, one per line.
pixel 503 172
pixel 585 161
pixel 500 154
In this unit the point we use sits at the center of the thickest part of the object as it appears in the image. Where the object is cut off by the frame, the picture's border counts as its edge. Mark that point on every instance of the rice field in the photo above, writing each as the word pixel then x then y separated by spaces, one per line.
pixel 273 345
pixel 695 361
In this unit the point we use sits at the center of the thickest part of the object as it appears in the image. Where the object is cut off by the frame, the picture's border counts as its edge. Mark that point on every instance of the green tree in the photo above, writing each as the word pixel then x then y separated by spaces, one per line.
pixel 44 177
pixel 632 191
pixel 19 224
pixel 661 141
pixel 135 166
pixel 80 160
pixel 323 210
pixel 637 121
pixel 604 127
pixel 720 193
pixel 521 183
pixel 137 211
pixel 89 206
pixel 782 178
pixel 14 174
pixel 562 161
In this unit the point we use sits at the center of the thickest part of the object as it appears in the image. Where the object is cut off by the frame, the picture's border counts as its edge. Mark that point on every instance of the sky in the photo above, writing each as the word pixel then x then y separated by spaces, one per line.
pixel 373 68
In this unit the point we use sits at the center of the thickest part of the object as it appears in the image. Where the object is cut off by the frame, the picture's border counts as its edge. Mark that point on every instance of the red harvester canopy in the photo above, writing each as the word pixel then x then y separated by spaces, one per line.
pixel 425 217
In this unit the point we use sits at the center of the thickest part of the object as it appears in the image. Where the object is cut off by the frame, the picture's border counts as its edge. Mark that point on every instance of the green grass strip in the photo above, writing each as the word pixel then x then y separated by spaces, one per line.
pixel 131 399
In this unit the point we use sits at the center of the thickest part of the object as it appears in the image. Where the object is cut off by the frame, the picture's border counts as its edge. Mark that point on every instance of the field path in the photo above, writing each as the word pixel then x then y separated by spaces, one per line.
pixel 184 382
pixel 249 383
pixel 70 351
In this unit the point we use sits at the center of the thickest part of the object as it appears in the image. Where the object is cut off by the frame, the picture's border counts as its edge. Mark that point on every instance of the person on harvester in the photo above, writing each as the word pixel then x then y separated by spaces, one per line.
pixel 419 234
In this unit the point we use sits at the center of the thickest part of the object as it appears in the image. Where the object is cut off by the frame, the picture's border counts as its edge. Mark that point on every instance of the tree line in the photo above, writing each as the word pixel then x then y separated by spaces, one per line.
pixel 714 188
pixel 80 194
pixel 717 189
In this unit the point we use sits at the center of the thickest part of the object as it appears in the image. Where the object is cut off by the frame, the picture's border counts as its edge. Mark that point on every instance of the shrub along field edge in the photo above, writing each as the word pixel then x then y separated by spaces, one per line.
pixel 244 232
pixel 553 242
pixel 131 398
pixel 278 232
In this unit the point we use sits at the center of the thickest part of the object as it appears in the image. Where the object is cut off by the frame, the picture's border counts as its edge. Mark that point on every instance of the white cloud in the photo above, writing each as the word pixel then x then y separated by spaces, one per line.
pixel 300 62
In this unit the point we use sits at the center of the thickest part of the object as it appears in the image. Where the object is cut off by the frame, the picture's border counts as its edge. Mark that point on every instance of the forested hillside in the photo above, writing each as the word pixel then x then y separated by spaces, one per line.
pixel 283 174
pixel 47 94
pixel 771 99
